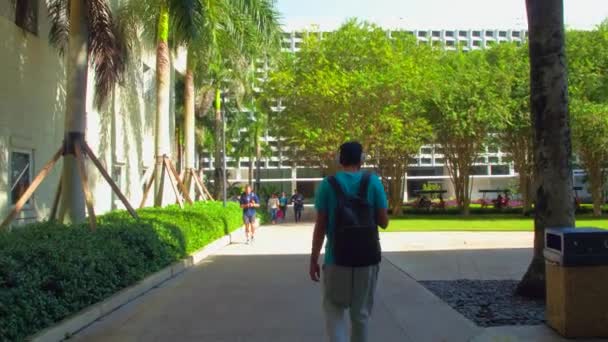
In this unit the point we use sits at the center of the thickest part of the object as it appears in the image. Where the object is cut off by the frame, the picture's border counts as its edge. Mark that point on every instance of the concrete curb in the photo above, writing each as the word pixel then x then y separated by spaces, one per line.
pixel 89 315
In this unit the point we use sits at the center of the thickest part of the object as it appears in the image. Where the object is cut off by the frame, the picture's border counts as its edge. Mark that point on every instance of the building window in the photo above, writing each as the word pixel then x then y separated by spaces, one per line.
pixel 20 174
pixel 273 164
pixel 26 15
pixel 450 43
pixel 436 34
pixel 493 160
pixel 489 33
pixel 439 161
pixel 479 170
pixel 449 33
pixel 500 170
pixel 477 43
pixel 425 161
pixel 426 150
pixel 476 33
pixel 502 34
pixel 245 164
pixel 515 34
pixel 462 33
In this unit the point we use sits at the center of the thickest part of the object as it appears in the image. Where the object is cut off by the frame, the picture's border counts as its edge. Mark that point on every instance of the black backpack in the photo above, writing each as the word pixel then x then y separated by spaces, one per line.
pixel 356 242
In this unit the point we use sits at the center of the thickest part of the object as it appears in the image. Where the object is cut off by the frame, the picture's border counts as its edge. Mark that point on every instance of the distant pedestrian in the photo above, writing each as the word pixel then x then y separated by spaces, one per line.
pixel 350 206
pixel 298 205
pixel 273 206
pixel 283 202
pixel 249 201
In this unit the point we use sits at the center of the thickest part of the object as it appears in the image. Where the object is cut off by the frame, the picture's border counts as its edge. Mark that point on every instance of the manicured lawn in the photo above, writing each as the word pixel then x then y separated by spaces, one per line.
pixel 424 223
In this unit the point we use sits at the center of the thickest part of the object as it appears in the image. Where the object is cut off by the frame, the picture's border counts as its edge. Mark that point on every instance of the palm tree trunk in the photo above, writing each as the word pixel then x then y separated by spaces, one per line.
pixel 189 119
pixel 218 181
pixel 258 157
pixel 552 142
pixel 163 76
pixel 72 197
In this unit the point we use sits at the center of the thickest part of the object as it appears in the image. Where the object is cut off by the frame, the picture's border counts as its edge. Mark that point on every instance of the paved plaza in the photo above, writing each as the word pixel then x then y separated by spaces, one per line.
pixel 261 292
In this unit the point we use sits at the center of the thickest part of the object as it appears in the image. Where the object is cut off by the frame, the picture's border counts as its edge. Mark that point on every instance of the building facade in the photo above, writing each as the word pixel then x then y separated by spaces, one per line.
pixel 32 114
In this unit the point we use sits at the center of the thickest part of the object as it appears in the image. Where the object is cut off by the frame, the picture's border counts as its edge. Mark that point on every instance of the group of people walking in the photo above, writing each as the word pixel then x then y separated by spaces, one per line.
pixel 277 206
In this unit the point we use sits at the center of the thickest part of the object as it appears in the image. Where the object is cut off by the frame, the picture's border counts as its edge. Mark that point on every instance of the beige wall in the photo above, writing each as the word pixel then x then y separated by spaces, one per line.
pixel 32 114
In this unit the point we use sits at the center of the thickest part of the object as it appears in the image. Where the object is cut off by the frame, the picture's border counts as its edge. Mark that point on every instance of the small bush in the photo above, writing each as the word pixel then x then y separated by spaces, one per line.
pixel 49 271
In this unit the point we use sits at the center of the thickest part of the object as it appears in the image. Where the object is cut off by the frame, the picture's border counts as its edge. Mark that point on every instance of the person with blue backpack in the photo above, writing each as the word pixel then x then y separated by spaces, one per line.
pixel 350 206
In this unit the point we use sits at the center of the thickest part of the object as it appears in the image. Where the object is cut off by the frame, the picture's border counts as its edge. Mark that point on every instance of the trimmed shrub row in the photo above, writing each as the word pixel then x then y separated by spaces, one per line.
pixel 49 271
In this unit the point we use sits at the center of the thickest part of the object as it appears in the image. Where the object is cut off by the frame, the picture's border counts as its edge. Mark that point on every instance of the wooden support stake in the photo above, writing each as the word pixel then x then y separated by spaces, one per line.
pixel 173 182
pixel 30 189
pixel 179 182
pixel 148 186
pixel 53 216
pixel 82 172
pixel 109 179
pixel 201 187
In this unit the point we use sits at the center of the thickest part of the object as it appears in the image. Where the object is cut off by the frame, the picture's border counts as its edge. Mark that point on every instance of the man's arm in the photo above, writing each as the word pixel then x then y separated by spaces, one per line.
pixel 318 237
pixel 382 218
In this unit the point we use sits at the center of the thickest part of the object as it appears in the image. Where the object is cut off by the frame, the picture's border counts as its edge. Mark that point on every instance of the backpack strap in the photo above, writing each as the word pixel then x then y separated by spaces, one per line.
pixel 336 186
pixel 363 185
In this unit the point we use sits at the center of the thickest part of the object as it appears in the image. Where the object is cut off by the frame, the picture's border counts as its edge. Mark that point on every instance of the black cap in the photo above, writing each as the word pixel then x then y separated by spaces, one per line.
pixel 351 153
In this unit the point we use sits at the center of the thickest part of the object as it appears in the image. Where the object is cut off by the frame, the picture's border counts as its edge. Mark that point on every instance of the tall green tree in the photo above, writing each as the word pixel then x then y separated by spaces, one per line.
pixel 154 20
pixel 511 71
pixel 552 138
pixel 587 52
pixel 355 84
pixel 463 111
pixel 86 33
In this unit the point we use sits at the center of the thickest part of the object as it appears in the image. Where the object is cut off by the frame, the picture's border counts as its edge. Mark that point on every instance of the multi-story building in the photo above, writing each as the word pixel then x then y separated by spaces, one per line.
pixel 447 39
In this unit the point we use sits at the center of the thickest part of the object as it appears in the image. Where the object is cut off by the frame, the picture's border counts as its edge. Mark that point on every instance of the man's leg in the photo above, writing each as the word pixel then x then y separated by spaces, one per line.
pixel 252 225
pixel 364 288
pixel 337 285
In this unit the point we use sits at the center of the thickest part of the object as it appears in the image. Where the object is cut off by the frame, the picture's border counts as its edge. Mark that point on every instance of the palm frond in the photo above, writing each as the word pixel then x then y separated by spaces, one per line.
pixel 107 48
pixel 186 20
pixel 59 17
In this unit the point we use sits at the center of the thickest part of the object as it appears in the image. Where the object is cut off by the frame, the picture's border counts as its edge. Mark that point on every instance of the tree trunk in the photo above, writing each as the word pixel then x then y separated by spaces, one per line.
pixel 250 174
pixel 189 119
pixel 161 127
pixel 258 157
pixel 72 196
pixel 524 190
pixel 218 178
pixel 552 142
pixel 594 170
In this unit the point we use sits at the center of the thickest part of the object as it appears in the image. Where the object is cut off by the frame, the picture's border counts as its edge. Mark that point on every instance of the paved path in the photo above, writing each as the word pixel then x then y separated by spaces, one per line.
pixel 262 292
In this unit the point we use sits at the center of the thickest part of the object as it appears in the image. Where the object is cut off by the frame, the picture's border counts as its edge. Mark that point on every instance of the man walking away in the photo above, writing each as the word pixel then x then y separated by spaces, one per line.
pixel 249 201
pixel 298 205
pixel 350 207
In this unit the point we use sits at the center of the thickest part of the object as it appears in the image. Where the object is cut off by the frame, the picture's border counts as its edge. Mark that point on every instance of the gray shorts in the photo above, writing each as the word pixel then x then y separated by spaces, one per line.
pixel 249 219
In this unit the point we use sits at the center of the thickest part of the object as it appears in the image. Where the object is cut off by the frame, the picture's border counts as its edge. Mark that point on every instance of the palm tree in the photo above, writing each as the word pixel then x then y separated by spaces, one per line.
pixel 232 33
pixel 86 31
pixel 552 143
pixel 161 20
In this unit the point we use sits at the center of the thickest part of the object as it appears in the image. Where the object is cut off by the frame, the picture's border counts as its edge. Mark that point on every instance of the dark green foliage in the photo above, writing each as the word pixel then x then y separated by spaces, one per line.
pixel 49 271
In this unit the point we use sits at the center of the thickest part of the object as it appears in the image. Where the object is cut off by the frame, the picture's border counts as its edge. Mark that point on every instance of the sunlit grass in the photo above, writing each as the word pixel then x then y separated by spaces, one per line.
pixel 423 223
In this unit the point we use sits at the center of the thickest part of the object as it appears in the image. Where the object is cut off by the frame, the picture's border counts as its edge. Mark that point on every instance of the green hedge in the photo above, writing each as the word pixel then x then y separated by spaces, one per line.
pixel 49 271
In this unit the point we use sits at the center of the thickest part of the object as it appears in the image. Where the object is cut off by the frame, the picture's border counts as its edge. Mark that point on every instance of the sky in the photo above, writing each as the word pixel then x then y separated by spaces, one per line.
pixel 431 14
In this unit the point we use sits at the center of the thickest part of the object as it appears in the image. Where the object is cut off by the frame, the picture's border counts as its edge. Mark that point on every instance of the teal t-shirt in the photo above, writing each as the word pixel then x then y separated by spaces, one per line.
pixel 326 202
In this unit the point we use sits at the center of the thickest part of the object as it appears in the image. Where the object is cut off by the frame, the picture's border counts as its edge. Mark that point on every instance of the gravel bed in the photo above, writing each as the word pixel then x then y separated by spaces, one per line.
pixel 489 303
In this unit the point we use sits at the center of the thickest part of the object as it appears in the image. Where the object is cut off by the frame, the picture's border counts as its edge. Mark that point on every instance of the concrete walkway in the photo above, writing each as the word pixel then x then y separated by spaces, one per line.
pixel 261 292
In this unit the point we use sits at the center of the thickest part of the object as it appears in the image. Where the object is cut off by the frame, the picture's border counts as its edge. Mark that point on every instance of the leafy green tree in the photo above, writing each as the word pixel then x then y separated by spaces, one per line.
pixel 464 109
pixel 588 61
pixel 511 69
pixel 355 84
